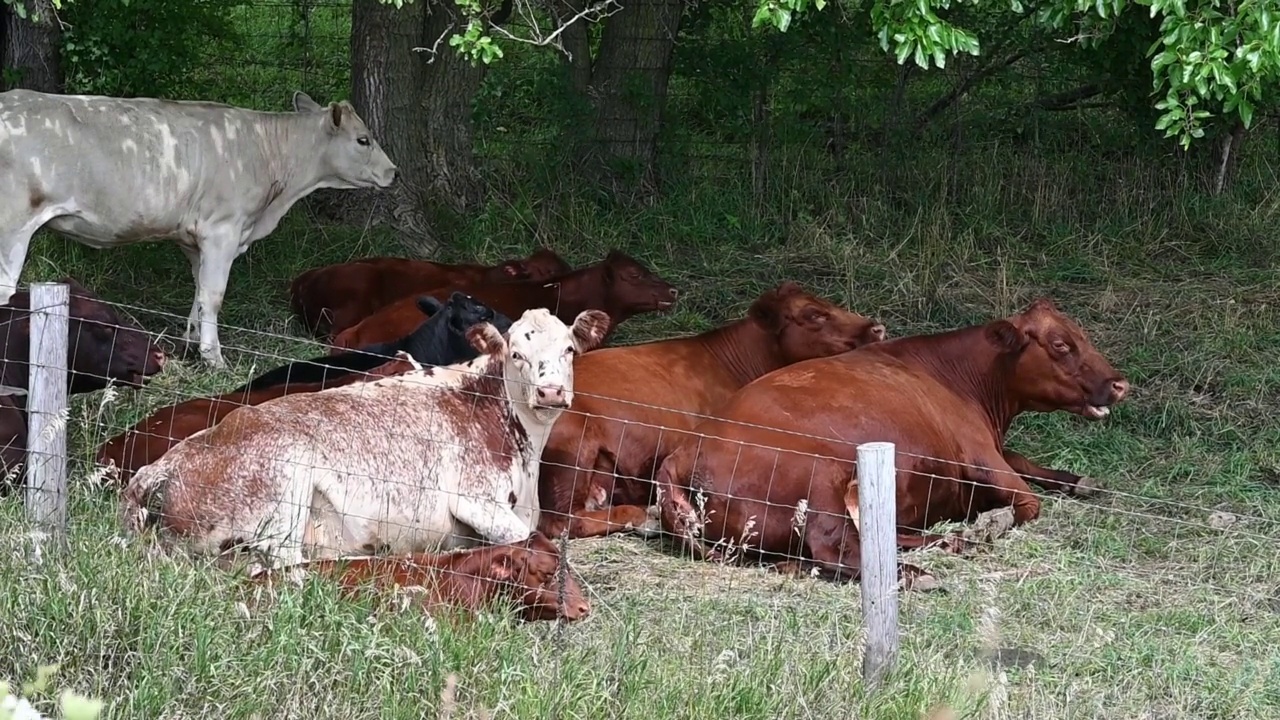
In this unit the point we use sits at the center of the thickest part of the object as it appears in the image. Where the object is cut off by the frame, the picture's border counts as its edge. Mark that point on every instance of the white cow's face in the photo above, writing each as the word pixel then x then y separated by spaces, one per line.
pixel 351 156
pixel 538 357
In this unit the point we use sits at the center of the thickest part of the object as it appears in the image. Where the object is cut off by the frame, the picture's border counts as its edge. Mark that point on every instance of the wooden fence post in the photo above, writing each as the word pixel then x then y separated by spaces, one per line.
pixel 47 413
pixel 878 514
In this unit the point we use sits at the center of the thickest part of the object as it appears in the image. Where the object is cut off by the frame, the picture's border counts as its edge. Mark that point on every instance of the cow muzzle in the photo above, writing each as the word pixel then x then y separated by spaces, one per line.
pixel 552 397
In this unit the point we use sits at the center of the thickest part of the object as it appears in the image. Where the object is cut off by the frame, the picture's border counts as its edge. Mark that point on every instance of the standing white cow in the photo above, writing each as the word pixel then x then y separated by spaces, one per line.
pixel 215 178
pixel 432 459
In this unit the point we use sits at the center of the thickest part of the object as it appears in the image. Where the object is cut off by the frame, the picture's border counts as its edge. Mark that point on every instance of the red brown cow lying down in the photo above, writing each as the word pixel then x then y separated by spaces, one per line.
pixel 618 285
pixel 632 402
pixel 330 299
pixel 946 400
pixel 153 436
pixel 526 573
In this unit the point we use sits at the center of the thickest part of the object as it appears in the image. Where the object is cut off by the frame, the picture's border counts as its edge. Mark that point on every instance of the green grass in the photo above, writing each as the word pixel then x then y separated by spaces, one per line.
pixel 1139 607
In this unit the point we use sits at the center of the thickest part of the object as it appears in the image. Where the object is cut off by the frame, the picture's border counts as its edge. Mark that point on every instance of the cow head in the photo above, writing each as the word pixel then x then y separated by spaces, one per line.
pixel 348 155
pixel 806 326
pixel 1057 367
pixel 537 354
pixel 532 570
pixel 102 346
pixel 633 288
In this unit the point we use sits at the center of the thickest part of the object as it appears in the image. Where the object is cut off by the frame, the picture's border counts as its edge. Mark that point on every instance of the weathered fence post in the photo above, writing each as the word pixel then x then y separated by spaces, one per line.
pixel 878 514
pixel 47 413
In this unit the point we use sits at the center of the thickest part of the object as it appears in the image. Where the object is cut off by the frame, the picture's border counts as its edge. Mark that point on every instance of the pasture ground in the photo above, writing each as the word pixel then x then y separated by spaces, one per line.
pixel 1143 604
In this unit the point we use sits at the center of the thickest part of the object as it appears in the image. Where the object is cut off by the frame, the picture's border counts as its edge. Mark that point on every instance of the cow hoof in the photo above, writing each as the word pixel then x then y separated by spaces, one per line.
pixel 1087 487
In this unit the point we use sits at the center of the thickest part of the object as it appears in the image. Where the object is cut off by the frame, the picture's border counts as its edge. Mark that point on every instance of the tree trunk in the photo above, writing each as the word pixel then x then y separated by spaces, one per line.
pixel 629 89
pixel 577 43
pixel 448 89
pixel 418 106
pixel 1225 158
pixel 30 48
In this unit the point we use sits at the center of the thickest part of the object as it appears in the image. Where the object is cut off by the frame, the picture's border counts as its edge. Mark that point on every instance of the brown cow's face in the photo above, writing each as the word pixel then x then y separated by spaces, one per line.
pixel 808 327
pixel 533 570
pixel 633 287
pixel 1060 369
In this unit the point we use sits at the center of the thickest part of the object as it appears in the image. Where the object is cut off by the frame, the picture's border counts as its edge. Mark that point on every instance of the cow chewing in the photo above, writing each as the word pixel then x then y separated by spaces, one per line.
pixel 433 459
pixel 215 178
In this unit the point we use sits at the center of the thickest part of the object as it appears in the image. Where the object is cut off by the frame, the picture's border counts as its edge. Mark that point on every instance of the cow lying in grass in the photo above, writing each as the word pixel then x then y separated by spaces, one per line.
pixel 432 459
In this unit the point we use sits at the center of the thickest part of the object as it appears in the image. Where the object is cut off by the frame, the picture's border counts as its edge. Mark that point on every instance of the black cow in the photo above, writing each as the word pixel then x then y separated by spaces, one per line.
pixel 440 340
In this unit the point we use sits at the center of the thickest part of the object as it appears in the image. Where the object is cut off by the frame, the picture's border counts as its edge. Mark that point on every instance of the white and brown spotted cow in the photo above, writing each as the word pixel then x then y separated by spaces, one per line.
pixel 432 459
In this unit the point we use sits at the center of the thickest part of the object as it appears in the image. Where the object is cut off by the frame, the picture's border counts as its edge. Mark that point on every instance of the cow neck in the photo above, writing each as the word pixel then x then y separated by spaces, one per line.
pixel 965 362
pixel 463 578
pixel 743 348
pixel 290 174
pixel 572 297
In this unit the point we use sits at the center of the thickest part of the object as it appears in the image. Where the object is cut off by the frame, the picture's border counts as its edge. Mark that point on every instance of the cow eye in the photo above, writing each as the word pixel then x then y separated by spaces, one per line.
pixel 362 140
pixel 1061 347
pixel 517 356
pixel 571 350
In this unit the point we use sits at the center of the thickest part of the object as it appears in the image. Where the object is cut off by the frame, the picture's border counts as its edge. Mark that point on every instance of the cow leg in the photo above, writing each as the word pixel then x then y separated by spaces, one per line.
pixel 1050 479
pixel 192 332
pixel 1004 485
pixel 493 520
pixel 13 248
pixel 211 287
pixel 607 521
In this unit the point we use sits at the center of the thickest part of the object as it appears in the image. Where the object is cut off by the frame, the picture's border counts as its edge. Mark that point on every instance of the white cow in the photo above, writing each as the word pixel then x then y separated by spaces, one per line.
pixel 431 460
pixel 215 178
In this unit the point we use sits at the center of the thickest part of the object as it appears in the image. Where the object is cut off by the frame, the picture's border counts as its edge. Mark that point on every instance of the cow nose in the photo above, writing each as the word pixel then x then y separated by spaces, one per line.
pixel 577 609
pixel 551 396
pixel 877 331
pixel 1119 388
pixel 160 358
pixel 674 293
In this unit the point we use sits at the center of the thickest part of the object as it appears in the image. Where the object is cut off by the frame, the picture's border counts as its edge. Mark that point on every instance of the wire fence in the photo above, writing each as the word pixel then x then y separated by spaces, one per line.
pixel 370 466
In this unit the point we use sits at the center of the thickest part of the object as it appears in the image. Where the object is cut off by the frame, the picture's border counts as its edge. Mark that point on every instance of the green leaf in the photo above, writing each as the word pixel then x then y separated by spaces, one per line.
pixel 1246 112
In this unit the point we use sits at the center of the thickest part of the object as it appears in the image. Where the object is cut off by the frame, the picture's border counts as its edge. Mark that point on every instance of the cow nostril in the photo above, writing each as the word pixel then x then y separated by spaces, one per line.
pixel 877 331
pixel 674 292
pixel 1120 387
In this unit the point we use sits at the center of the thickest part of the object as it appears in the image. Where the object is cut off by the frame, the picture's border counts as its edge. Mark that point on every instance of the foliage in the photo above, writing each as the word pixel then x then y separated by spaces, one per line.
pixel 139 47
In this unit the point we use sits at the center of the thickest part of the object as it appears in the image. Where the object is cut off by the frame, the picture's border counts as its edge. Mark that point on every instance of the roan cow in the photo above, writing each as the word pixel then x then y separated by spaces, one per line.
pixel 774 465
pixel 433 459
pixel 111 171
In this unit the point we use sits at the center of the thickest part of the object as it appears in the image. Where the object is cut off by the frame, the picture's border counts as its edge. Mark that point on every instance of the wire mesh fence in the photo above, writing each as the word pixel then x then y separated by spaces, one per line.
pixel 370 466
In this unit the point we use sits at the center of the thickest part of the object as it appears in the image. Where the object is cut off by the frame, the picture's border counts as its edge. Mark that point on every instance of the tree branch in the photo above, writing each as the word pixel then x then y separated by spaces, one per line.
pixel 941 105
pixel 1068 99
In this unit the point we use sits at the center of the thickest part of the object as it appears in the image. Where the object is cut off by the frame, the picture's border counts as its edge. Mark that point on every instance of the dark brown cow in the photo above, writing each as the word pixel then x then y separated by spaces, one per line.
pixel 527 573
pixel 946 401
pixel 632 402
pixel 150 438
pixel 330 299
pixel 618 285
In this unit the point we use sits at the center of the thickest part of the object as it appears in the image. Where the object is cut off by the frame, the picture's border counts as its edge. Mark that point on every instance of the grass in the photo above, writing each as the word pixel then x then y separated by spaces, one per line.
pixel 1140 607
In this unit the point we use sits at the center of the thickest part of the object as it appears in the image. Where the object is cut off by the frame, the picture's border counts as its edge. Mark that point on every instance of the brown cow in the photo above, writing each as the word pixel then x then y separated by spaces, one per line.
pixel 150 438
pixel 946 401
pixel 330 299
pixel 618 285
pixel 526 573
pixel 618 432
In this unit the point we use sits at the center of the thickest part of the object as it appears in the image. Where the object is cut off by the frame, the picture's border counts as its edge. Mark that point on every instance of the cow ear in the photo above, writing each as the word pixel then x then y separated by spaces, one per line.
pixel 766 311
pixel 1006 336
pixel 335 116
pixel 302 103
pixel 429 305
pixel 486 339
pixel 589 329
